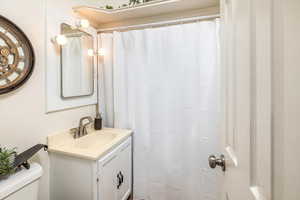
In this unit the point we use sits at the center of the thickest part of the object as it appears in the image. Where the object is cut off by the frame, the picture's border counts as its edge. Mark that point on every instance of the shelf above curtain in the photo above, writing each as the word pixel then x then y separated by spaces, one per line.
pixel 149 12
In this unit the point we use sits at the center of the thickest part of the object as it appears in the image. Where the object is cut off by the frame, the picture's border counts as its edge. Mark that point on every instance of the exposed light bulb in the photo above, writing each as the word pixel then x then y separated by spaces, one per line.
pixel 101 52
pixel 90 52
pixel 84 23
pixel 61 39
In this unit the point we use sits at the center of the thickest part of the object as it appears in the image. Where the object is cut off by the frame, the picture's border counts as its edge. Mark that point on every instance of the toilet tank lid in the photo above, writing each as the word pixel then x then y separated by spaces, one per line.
pixel 19 180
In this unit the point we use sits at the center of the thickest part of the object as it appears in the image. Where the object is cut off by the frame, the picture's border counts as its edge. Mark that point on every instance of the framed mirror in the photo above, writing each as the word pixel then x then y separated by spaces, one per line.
pixel 77 63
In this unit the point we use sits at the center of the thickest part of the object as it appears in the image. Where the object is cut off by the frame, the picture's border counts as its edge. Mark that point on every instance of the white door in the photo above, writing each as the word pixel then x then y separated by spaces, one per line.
pixel 246 62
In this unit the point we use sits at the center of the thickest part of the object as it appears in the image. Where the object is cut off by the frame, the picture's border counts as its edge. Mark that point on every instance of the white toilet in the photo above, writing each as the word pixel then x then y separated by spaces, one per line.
pixel 23 185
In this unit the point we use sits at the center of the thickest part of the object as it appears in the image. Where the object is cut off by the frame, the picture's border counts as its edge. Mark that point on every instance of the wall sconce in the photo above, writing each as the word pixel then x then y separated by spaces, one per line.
pixel 91 52
pixel 101 52
pixel 60 40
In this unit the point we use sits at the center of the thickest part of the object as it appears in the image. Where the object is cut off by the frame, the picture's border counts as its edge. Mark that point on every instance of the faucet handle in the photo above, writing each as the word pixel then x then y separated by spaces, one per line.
pixel 74 132
pixel 90 119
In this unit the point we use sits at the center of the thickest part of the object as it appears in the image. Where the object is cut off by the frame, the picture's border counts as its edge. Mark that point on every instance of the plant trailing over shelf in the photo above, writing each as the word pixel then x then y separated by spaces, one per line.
pixel 7 158
pixel 131 3
pixel 134 2
pixel 109 7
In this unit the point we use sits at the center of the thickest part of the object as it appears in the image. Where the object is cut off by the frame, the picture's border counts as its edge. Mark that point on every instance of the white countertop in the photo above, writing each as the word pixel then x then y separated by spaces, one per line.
pixel 92 146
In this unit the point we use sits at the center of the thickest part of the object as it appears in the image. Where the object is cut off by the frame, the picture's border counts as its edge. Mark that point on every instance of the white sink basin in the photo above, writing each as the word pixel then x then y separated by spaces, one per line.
pixel 92 146
pixel 94 140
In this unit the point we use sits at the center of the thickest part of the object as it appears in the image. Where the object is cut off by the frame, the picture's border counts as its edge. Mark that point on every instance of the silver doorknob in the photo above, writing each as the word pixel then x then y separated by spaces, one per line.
pixel 214 162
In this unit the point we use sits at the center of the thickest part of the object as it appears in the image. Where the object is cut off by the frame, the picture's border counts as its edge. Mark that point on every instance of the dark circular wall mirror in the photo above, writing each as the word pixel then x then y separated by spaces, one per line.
pixel 16 56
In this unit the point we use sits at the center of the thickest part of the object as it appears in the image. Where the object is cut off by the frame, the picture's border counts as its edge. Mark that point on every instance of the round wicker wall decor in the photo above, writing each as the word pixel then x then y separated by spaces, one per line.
pixel 16 56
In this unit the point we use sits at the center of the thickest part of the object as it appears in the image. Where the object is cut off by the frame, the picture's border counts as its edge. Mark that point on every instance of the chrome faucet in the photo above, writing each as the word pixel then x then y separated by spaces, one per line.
pixel 82 129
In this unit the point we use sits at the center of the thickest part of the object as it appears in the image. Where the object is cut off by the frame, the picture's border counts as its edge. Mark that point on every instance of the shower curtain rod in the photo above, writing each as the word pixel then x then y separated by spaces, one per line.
pixel 158 24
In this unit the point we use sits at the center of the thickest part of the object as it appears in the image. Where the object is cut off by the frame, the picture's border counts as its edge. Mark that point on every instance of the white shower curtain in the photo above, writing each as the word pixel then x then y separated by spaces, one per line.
pixel 163 83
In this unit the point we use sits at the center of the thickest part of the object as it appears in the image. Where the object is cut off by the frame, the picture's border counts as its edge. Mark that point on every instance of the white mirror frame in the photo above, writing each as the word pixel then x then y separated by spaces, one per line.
pixel 65 30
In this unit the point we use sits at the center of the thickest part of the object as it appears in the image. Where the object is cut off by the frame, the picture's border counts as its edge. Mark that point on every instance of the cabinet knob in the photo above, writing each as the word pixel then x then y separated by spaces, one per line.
pixel 120 179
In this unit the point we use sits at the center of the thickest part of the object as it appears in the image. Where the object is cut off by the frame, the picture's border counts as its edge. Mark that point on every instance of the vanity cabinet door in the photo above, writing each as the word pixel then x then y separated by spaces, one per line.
pixel 108 181
pixel 125 170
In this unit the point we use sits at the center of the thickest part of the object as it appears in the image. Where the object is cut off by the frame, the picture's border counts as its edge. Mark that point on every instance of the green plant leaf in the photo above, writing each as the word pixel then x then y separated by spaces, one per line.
pixel 7 157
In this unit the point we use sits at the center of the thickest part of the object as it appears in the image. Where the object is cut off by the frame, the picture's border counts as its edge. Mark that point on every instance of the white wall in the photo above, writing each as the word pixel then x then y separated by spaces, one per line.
pixel 23 122
pixel 286 96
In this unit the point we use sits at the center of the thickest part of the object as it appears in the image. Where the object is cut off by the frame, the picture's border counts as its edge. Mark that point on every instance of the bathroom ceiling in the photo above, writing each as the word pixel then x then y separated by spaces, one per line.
pixel 148 13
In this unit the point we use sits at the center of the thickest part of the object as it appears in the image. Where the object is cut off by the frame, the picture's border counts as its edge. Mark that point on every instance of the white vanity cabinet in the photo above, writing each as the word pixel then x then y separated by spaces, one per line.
pixel 78 178
pixel 115 172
